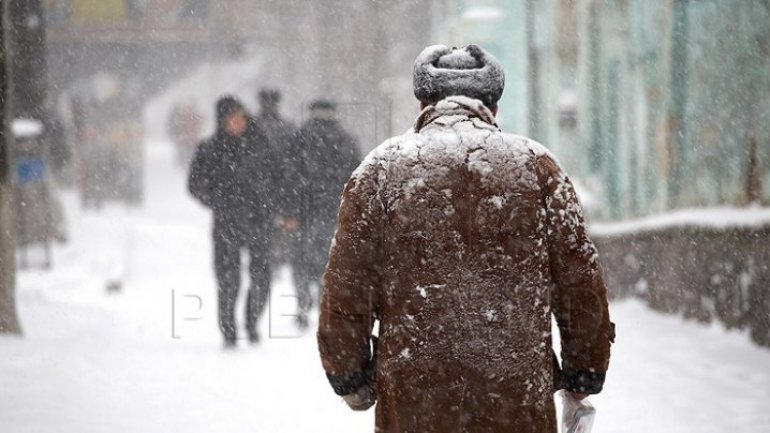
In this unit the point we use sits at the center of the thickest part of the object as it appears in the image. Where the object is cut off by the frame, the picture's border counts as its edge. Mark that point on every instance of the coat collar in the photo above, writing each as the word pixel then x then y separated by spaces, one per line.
pixel 455 106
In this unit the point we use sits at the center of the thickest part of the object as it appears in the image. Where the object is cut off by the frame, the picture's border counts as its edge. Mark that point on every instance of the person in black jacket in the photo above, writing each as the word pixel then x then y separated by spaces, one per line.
pixel 329 155
pixel 231 174
pixel 282 138
pixel 287 190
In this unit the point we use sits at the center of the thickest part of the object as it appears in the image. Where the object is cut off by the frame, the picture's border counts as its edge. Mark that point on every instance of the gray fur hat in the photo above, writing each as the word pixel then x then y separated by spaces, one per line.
pixel 440 71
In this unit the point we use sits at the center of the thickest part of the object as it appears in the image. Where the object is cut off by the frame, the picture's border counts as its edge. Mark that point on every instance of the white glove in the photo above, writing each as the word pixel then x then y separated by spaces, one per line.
pixel 362 399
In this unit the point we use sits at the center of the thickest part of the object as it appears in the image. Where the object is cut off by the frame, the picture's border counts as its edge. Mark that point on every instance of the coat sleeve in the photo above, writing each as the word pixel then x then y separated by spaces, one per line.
pixel 260 173
pixel 200 182
pixel 293 178
pixel 579 294
pixel 351 281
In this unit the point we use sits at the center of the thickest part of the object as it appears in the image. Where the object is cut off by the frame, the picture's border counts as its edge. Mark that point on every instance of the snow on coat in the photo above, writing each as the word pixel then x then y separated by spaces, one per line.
pixel 462 240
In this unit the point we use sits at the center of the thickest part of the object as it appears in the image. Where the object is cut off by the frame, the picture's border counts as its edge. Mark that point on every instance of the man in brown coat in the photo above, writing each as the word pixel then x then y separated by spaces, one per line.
pixel 461 241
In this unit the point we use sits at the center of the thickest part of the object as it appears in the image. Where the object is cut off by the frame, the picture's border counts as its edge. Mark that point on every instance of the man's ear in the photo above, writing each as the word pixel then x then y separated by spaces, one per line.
pixel 493 109
pixel 422 105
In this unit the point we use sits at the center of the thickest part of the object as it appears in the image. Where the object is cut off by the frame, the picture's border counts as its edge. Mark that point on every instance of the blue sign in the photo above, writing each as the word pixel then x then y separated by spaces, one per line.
pixel 29 170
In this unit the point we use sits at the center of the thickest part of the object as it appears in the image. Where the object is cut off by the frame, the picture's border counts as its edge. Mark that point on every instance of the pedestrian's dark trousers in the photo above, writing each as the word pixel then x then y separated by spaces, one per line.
pixel 310 254
pixel 227 264
pixel 303 272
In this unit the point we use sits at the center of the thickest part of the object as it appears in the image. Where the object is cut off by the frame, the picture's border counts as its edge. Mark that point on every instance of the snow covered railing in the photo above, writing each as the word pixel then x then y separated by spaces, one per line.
pixel 704 264
pixel 715 218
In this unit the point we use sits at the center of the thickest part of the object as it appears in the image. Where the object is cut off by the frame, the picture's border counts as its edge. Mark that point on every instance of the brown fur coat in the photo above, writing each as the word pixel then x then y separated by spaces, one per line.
pixel 462 241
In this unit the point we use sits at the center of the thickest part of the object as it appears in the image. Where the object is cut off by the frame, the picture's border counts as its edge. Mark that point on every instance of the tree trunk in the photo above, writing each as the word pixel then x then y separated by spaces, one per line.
pixel 9 321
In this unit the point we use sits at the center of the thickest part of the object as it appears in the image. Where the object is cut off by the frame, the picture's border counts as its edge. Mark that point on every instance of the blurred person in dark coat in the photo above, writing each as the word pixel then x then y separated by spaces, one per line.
pixel 283 147
pixel 285 189
pixel 329 154
pixel 230 174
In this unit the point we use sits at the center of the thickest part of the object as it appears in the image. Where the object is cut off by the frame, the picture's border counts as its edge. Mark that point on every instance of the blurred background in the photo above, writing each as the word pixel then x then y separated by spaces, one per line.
pixel 658 110
pixel 652 105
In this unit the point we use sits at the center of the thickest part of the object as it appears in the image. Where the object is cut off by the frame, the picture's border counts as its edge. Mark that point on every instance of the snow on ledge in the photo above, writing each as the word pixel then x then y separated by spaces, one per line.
pixel 482 14
pixel 715 218
pixel 26 128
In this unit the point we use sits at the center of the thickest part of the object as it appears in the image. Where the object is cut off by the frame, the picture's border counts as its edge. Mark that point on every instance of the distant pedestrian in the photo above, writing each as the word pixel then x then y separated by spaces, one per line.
pixel 461 240
pixel 285 187
pixel 281 133
pixel 329 153
pixel 185 124
pixel 230 175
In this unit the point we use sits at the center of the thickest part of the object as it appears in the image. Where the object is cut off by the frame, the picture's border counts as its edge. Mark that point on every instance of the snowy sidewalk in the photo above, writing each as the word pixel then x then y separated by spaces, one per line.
pixel 148 358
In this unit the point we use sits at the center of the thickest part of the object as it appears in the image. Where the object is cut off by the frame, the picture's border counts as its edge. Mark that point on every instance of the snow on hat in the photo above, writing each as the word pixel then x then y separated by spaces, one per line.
pixel 440 71
pixel 226 105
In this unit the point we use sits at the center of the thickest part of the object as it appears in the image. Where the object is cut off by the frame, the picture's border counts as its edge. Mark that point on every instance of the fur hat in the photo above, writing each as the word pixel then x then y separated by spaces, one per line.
pixel 440 71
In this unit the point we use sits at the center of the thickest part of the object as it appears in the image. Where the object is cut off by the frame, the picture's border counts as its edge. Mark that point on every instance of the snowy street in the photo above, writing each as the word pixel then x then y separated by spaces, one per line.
pixel 121 336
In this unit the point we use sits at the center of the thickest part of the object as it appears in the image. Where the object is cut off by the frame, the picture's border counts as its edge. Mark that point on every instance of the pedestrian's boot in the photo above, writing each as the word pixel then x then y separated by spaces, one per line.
pixel 230 344
pixel 253 337
pixel 302 321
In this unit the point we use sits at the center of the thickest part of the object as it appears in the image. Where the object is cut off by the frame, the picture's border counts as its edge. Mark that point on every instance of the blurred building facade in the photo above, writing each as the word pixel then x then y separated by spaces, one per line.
pixel 144 43
pixel 359 53
pixel 652 105
pixel 107 58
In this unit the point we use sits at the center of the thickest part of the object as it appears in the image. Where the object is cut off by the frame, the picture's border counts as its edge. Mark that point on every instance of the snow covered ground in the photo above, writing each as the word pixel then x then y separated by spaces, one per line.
pixel 120 336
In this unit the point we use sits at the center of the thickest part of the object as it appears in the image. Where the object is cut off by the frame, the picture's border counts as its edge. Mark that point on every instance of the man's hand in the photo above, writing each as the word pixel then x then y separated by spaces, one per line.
pixel 362 399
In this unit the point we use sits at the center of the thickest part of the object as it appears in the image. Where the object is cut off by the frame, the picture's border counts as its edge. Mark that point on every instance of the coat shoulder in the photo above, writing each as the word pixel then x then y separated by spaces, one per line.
pixel 526 145
pixel 203 152
pixel 543 158
pixel 207 145
pixel 383 154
